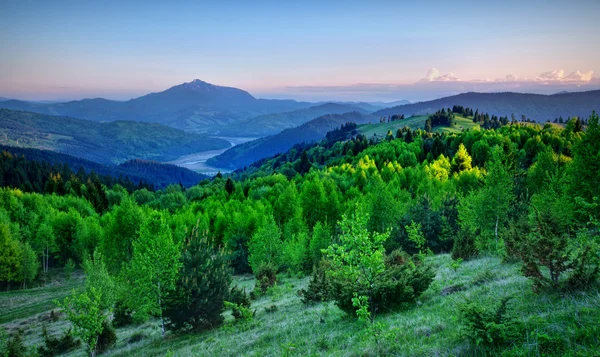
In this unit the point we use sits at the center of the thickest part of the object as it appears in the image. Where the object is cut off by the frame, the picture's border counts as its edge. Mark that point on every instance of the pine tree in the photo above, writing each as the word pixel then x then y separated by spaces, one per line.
pixel 201 288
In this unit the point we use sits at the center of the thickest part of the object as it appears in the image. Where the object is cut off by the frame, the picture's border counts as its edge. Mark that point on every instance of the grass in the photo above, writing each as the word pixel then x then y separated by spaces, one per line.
pixel 429 327
pixel 416 122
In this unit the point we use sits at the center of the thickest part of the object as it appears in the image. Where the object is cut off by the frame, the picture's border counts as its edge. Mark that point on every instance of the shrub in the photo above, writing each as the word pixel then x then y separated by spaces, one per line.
pixel 15 346
pixel 202 286
pixel 266 277
pixel 553 258
pixel 464 246
pixel 54 346
pixel 238 297
pixel 403 280
pixel 319 285
pixel 122 315
pixel 488 326
pixel 69 269
pixel 271 309
pixel 136 337
pixel 107 339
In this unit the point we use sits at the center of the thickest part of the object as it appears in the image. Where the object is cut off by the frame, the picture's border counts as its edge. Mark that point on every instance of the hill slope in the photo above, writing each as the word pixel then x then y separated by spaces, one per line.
pixel 316 129
pixel 270 124
pixel 157 174
pixel 535 106
pixel 193 106
pixel 108 143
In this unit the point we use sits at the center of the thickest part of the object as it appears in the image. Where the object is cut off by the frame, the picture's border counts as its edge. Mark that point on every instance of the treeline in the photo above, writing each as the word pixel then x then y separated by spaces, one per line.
pixel 523 192
pixel 18 171
pixel 30 170
pixel 439 118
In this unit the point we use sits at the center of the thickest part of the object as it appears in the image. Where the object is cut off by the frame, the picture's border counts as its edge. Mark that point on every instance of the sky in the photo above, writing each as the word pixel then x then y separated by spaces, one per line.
pixel 308 50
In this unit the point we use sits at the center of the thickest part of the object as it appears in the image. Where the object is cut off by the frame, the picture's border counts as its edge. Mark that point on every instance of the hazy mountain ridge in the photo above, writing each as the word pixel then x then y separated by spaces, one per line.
pixel 538 107
pixel 192 106
pixel 270 124
pixel 314 130
pixel 107 143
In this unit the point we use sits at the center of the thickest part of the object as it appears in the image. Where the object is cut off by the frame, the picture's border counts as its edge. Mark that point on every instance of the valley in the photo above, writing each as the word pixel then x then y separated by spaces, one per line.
pixel 197 161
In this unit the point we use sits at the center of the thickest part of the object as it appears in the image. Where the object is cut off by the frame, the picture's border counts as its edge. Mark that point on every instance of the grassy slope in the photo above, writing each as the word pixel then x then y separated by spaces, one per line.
pixel 430 327
pixel 416 122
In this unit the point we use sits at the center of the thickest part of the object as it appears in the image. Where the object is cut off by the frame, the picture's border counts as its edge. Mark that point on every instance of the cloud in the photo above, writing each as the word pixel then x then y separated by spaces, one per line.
pixel 579 76
pixel 511 78
pixel 433 75
pixel 558 75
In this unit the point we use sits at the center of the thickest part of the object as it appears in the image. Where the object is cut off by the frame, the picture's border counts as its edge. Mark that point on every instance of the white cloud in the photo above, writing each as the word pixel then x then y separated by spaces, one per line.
pixel 579 76
pixel 511 78
pixel 552 76
pixel 433 75
pixel 558 75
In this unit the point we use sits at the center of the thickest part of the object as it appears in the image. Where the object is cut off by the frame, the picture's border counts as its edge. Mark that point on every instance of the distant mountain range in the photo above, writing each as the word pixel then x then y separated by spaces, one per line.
pixel 194 106
pixel 535 106
pixel 107 143
pixel 158 174
pixel 314 130
pixel 270 124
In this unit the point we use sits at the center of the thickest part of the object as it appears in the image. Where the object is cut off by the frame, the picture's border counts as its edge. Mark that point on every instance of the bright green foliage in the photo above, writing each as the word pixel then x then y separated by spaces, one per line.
pixel 152 271
pixel 202 286
pixel 10 256
pixel 295 253
pixel 489 326
pixel 462 160
pixel 44 243
pixel 29 264
pixel 585 169
pixel 123 226
pixel 415 235
pixel 265 246
pixel 320 240
pixel 96 276
pixel 84 311
pixel 359 256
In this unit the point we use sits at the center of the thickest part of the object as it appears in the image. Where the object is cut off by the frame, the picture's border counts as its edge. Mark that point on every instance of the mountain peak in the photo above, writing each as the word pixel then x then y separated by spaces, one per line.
pixel 198 86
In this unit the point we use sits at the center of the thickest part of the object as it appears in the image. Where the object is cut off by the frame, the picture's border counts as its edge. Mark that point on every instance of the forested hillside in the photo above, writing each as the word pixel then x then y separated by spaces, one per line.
pixel 416 243
pixel 107 143
pixel 29 170
pixel 314 130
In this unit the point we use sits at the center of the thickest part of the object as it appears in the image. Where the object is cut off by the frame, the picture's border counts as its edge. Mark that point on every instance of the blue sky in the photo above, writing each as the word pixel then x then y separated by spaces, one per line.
pixel 308 50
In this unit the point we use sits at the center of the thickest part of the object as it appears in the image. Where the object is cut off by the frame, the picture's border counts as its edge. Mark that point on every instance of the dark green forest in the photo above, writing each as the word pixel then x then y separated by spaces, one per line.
pixel 372 224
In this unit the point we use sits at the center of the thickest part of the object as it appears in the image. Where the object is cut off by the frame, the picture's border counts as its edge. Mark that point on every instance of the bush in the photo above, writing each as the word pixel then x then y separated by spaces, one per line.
pixel 15 346
pixel 488 326
pixel 403 280
pixel 319 285
pixel 201 288
pixel 122 315
pixel 69 269
pixel 238 297
pixel 553 258
pixel 107 339
pixel 54 346
pixel 464 247
pixel 266 277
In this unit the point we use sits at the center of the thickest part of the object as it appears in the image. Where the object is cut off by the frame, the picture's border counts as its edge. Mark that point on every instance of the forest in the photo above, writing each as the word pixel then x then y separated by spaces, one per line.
pixel 471 243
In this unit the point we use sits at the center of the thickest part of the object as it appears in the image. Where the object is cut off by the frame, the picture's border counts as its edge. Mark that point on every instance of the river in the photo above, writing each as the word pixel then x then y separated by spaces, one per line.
pixel 197 161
